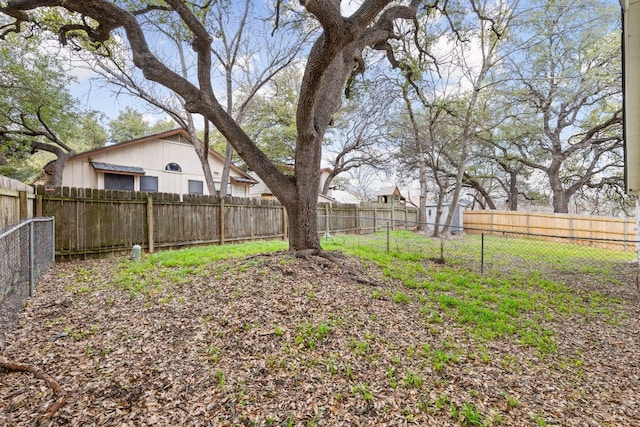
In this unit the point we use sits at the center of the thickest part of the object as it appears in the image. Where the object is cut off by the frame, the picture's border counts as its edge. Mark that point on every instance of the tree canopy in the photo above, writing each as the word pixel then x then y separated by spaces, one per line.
pixel 496 93
pixel 37 112
pixel 335 56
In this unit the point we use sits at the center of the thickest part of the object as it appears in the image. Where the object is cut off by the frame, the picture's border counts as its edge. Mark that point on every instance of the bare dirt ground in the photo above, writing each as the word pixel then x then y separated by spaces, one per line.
pixel 275 341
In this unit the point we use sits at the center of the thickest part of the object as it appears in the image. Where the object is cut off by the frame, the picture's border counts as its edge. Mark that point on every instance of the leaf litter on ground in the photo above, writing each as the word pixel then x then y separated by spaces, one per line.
pixel 274 340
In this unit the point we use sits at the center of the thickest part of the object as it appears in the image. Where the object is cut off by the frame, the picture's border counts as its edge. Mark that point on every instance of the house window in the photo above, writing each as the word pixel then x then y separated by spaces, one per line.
pixel 216 184
pixel 173 167
pixel 195 187
pixel 149 183
pixel 114 181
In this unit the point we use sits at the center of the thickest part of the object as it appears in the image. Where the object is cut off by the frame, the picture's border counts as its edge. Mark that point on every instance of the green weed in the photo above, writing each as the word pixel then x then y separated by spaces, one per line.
pixel 512 402
pixel 412 379
pixel 308 335
pixel 363 391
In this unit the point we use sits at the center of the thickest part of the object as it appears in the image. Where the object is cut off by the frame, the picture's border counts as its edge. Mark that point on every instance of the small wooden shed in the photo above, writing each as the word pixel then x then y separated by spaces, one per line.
pixel 391 195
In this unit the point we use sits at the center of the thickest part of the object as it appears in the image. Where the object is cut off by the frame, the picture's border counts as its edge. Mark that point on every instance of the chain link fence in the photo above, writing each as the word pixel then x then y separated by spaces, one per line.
pixel 27 249
pixel 600 262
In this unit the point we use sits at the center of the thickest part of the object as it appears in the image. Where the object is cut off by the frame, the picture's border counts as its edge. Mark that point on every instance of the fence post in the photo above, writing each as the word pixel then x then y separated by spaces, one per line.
pixel 406 218
pixel 357 209
pixel 53 239
pixel 150 223
pixel 24 207
pixel 326 220
pixel 32 254
pixel 374 220
pixel 39 204
pixel 570 228
pixel 393 223
pixel 482 254
pixel 221 220
pixel 388 241
pixel 252 217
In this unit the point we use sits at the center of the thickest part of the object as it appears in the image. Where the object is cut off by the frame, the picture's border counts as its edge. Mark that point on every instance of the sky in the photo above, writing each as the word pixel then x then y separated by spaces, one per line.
pixel 94 95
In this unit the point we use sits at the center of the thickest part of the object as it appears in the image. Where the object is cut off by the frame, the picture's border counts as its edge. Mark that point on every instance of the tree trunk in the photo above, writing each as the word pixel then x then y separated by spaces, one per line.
pixel 206 169
pixel 513 191
pixel 559 193
pixel 422 208
pixel 439 208
pixel 62 152
pixel 327 183
pixel 488 200
pixel 226 170
pixel 560 200
pixel 303 213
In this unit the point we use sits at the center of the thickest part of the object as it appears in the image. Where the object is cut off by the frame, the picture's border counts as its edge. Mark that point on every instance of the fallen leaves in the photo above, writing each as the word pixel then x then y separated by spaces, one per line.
pixel 293 341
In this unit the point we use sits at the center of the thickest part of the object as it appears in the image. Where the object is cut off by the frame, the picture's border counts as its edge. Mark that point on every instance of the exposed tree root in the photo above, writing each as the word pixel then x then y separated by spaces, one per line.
pixel 335 258
pixel 362 280
pixel 57 390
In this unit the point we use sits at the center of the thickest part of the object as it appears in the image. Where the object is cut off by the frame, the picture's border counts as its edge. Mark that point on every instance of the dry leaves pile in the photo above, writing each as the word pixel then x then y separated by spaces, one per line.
pixel 277 341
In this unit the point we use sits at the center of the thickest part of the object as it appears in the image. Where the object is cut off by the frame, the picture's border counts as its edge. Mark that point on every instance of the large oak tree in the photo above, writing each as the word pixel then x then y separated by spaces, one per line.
pixel 334 57
pixel 565 96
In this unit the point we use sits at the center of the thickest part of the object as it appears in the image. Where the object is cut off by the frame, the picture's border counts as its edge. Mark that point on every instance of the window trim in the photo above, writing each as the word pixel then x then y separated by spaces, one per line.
pixel 190 181
pixel 156 182
pixel 173 167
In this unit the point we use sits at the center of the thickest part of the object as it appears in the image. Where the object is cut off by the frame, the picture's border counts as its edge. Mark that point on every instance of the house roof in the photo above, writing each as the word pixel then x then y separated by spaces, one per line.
pixel 390 191
pixel 127 170
pixel 242 178
pixel 386 191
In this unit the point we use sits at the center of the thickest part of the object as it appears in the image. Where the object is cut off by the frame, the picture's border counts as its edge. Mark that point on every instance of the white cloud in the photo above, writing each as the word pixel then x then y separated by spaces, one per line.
pixel 348 7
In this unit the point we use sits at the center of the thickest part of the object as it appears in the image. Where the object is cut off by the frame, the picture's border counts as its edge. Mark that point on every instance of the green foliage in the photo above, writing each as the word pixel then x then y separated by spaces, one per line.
pixel 130 124
pixel 36 105
pixel 363 391
pixel 412 379
pixel 401 298
pixel 512 402
pixel 271 118
pixel 309 335
pixel 470 415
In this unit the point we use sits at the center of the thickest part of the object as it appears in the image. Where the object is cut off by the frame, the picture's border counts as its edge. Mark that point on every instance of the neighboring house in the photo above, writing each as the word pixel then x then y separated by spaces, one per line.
pixel 261 190
pixel 347 196
pixel 391 195
pixel 165 162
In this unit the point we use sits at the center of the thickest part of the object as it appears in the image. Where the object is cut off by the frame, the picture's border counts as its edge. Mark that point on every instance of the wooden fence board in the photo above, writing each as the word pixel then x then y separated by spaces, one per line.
pixel 93 222
pixel 578 229
pixel 11 194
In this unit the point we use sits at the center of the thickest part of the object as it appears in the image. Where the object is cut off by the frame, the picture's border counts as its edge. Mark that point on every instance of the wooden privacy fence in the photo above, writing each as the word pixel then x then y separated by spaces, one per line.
pixel 92 222
pixel 14 201
pixel 611 233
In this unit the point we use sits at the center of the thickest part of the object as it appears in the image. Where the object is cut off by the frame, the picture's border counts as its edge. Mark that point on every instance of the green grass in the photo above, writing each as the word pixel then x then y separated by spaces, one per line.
pixel 505 302
pixel 499 303
pixel 309 335
pixel 151 272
